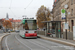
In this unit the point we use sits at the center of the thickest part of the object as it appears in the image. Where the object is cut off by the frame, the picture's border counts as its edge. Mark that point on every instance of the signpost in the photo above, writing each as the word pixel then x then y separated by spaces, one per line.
pixel 63 14
pixel 66 6
pixel 66 26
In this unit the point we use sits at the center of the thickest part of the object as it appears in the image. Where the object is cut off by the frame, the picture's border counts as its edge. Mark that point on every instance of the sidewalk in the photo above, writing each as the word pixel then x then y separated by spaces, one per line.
pixel 59 40
pixel 2 34
pixel 1 37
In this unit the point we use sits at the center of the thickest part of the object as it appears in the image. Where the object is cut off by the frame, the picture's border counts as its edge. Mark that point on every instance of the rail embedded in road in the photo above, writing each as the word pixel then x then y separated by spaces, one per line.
pixel 15 42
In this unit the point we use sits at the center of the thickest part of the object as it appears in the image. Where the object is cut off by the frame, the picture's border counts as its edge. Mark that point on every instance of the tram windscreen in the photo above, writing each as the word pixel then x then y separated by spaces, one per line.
pixel 30 25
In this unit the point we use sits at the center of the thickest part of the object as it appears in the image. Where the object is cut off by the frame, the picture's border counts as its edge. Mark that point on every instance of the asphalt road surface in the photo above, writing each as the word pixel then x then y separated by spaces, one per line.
pixel 15 42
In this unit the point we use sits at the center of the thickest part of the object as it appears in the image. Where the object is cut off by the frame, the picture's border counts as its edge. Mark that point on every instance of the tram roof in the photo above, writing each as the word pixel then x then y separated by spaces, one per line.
pixel 29 19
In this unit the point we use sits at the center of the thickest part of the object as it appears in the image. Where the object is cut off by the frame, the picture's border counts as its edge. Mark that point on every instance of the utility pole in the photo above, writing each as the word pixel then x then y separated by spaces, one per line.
pixel 66 6
pixel 66 23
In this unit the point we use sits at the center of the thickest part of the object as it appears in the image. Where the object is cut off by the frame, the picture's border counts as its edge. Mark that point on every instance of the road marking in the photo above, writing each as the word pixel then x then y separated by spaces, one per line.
pixel 54 43
pixel 59 40
pixel 37 44
pixel 22 43
pixel 6 43
pixel 40 44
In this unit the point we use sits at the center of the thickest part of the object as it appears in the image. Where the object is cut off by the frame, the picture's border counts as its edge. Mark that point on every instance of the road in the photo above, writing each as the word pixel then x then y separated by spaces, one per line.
pixel 15 42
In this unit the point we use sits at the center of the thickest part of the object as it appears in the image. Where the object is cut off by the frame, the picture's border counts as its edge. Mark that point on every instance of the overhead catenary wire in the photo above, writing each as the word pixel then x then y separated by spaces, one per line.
pixel 11 9
pixel 13 12
pixel 28 4
pixel 10 4
pixel 16 7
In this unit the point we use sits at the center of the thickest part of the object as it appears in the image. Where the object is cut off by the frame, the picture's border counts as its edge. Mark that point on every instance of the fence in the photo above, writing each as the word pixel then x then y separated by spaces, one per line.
pixel 41 32
pixel 69 35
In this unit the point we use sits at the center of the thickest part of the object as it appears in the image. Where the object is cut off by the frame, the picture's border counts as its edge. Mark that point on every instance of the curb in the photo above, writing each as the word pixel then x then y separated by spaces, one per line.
pixel 58 41
pixel 1 40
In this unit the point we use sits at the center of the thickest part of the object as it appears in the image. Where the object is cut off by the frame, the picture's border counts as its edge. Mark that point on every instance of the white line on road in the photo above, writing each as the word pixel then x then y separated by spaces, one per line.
pixel 37 44
pixel 54 43
pixel 6 43
pixel 22 43
pixel 61 41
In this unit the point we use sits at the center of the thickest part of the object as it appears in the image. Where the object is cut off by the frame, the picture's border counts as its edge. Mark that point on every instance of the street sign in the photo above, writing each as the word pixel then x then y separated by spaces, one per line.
pixel 66 6
pixel 66 26
pixel 63 14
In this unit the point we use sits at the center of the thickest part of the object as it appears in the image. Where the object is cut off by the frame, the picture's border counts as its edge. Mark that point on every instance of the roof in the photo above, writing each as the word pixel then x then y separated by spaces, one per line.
pixel 11 19
pixel 29 19
pixel 16 20
pixel 55 0
pixel 3 19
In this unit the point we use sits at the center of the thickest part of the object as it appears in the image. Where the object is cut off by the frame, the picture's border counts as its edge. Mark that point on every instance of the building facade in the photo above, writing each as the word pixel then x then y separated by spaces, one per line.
pixel 58 5
pixel 16 24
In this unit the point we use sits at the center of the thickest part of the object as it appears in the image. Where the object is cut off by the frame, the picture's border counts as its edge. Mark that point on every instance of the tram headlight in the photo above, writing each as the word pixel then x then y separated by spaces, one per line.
pixel 26 31
pixel 35 32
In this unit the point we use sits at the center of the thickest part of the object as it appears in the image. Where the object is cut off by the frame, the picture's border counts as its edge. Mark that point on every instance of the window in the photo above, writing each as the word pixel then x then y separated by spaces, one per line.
pixel 30 25
pixel 71 12
pixel 74 10
pixel 72 22
pixel 68 4
pixel 71 2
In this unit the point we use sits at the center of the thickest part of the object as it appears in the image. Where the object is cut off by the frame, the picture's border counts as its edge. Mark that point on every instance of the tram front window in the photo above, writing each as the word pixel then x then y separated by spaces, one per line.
pixel 30 25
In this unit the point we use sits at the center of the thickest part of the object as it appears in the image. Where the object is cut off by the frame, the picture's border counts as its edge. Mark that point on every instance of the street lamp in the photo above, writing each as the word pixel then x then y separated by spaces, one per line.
pixel 66 6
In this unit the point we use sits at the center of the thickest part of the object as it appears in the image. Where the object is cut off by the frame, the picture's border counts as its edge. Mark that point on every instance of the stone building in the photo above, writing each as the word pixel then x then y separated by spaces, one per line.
pixel 16 24
pixel 58 5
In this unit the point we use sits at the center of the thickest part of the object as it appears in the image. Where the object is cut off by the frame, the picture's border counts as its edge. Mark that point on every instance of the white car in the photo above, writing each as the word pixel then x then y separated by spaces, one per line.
pixel 17 31
pixel 9 31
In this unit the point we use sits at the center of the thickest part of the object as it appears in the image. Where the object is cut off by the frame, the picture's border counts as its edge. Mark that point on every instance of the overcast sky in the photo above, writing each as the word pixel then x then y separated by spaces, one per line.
pixel 17 8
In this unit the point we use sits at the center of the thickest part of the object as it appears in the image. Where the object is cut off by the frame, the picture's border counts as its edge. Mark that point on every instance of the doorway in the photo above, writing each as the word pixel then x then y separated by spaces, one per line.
pixel 0 26
pixel 72 24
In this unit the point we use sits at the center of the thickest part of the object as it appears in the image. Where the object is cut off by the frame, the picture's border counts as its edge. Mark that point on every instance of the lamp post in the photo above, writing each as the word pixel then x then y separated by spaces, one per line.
pixel 66 6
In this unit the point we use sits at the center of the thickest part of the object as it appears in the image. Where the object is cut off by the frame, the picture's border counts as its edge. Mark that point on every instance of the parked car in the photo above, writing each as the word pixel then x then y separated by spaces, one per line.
pixel 4 30
pixel 17 31
pixel 9 31
pixel 1 31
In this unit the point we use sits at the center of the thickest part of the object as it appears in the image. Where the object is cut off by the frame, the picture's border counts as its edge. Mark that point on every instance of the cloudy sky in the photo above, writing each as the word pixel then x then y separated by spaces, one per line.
pixel 17 8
